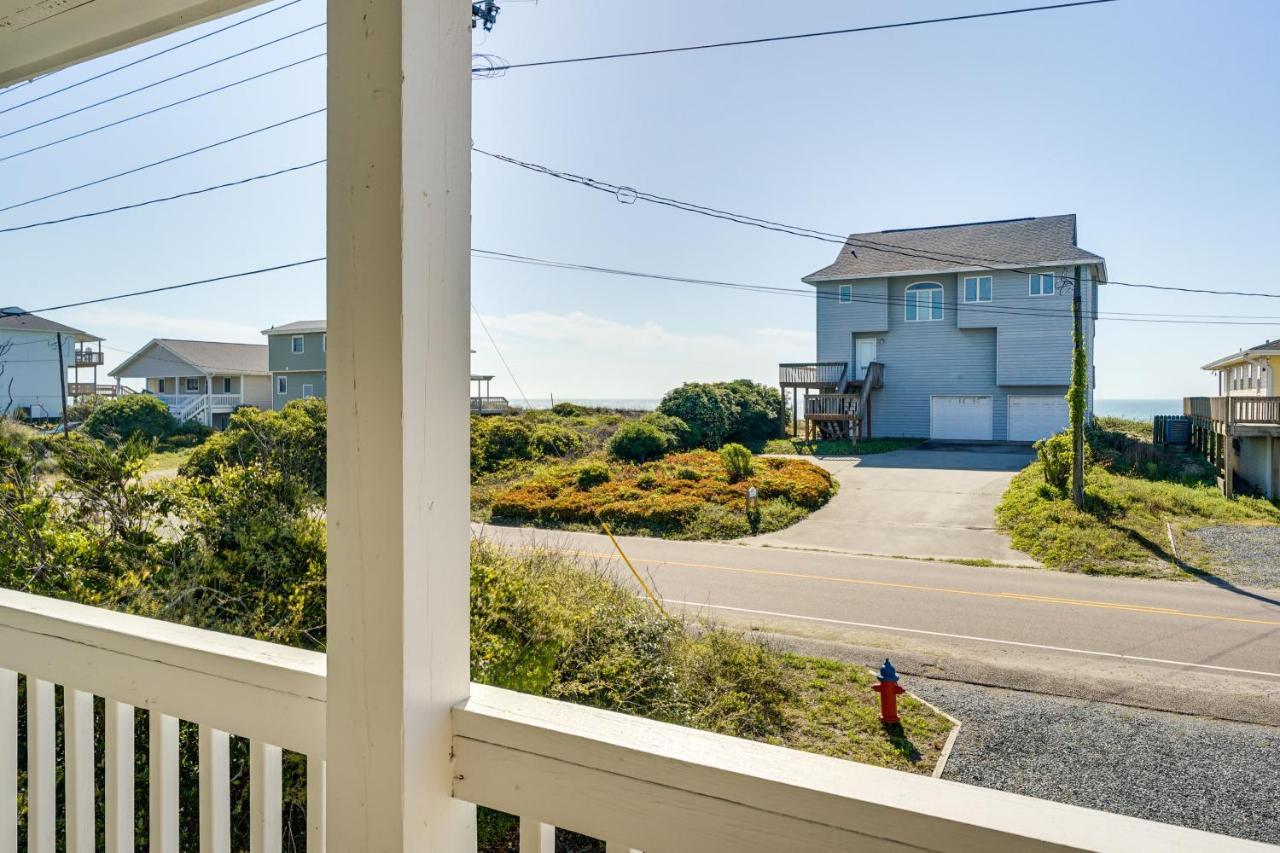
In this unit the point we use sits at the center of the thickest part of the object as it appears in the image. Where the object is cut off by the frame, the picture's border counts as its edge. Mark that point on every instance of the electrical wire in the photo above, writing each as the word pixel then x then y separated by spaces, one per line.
pixel 163 107
pixel 501 357
pixel 168 79
pixel 142 59
pixel 796 36
pixel 629 195
pixel 980 308
pixel 151 201
pixel 169 159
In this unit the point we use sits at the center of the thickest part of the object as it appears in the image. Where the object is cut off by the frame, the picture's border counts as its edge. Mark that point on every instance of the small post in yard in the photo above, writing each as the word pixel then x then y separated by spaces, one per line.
pixel 62 386
pixel 1078 394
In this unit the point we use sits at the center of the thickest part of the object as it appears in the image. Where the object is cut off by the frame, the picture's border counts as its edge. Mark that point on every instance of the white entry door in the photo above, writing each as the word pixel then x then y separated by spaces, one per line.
pixel 1034 417
pixel 864 352
pixel 960 418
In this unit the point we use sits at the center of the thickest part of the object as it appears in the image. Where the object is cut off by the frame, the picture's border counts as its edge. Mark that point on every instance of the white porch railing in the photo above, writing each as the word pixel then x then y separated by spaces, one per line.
pixel 271 694
pixel 226 401
pixel 186 407
pixel 637 784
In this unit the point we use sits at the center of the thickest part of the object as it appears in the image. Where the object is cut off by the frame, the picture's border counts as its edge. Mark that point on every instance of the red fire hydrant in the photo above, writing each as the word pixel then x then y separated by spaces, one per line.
pixel 889 691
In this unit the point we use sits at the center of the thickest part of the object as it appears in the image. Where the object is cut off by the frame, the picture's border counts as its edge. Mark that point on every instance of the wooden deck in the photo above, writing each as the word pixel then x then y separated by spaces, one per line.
pixel 1216 421
pixel 822 375
pixel 491 406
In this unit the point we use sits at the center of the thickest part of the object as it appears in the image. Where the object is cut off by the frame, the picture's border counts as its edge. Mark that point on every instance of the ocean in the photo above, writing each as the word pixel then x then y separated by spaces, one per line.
pixel 1139 410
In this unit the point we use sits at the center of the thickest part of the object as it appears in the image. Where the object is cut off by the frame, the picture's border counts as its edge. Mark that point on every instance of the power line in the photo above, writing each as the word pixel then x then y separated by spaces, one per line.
pixel 983 308
pixel 155 110
pixel 169 287
pixel 170 159
pixel 501 357
pixel 168 79
pixel 793 37
pixel 629 195
pixel 152 201
pixel 148 57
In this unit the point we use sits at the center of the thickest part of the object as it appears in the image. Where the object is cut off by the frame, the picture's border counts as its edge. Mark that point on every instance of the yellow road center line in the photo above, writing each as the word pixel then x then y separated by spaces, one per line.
pixel 1007 596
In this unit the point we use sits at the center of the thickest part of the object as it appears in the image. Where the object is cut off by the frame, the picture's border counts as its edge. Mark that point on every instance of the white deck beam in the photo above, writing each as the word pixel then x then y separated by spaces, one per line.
pixel 398 297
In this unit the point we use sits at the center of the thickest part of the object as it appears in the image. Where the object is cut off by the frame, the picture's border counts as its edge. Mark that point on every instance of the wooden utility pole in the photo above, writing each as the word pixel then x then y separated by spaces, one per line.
pixel 1079 392
pixel 62 387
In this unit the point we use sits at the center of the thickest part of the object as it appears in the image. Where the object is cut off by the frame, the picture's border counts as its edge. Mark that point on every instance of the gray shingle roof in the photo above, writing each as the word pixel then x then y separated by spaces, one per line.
pixel 297 327
pixel 1010 243
pixel 208 356
pixel 35 323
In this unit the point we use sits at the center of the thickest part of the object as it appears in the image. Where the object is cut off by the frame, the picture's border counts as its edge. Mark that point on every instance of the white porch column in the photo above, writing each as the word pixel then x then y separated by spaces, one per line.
pixel 398 297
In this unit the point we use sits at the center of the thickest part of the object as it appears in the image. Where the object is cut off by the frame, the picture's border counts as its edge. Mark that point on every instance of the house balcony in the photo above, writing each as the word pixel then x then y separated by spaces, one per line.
pixel 88 358
pixel 491 406
pixel 636 784
pixel 1246 415
pixel 821 375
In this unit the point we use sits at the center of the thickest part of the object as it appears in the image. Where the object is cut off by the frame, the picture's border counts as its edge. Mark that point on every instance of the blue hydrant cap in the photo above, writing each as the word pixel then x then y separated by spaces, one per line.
pixel 887 672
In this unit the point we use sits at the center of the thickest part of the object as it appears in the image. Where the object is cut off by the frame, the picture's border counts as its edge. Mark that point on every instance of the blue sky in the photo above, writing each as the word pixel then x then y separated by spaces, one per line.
pixel 1155 122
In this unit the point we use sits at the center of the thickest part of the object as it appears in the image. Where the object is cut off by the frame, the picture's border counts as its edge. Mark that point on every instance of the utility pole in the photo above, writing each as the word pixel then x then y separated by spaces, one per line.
pixel 62 385
pixel 1078 394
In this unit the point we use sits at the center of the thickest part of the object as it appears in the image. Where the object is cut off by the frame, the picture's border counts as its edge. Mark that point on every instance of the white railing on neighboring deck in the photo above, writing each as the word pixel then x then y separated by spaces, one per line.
pixel 226 400
pixel 273 695
pixel 637 784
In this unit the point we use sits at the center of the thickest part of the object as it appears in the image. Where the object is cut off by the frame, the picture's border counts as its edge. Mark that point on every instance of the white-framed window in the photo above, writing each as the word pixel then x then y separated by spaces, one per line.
pixel 1040 284
pixel 282 384
pixel 977 288
pixel 924 301
pixel 226 385
pixel 193 383
pixel 846 294
pixel 298 344
pixel 308 391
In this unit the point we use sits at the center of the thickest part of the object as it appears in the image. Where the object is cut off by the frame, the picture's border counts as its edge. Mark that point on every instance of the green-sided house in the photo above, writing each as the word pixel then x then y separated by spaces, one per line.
pixel 296 358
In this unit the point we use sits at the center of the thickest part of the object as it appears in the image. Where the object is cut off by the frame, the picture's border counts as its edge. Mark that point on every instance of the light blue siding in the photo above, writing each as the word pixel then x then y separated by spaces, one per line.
pixel 970 351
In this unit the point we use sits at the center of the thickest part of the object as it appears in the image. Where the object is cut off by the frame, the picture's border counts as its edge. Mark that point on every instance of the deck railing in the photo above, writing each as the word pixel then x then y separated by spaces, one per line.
pixel 226 400
pixel 491 406
pixel 635 783
pixel 828 406
pixel 812 373
pixel 1243 410
pixel 88 358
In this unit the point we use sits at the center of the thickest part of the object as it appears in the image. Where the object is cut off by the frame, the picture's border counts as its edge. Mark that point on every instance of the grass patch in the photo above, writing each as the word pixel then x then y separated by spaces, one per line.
pixel 1122 529
pixel 542 623
pixel 866 447
pixel 681 496
pixel 167 460
pixel 1134 428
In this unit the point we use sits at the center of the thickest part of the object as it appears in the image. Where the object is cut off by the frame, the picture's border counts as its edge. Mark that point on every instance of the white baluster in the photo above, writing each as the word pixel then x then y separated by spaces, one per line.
pixel 536 836
pixel 77 721
pixel 119 794
pixel 264 794
pixel 8 760
pixel 41 769
pixel 163 809
pixel 315 805
pixel 215 791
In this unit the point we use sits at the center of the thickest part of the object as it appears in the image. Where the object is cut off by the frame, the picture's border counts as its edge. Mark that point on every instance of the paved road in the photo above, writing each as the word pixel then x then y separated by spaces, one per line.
pixel 917 503
pixel 1189 647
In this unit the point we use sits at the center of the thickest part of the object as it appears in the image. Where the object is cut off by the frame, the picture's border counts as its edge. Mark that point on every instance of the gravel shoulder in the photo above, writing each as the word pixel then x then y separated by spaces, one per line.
pixel 1251 554
pixel 1199 773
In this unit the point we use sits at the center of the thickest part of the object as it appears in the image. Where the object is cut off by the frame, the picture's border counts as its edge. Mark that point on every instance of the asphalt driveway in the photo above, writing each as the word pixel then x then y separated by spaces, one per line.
pixel 934 501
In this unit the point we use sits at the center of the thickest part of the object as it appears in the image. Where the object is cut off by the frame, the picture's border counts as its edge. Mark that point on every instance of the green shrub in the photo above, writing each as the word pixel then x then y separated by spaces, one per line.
pixel 680 435
pixel 707 409
pixel 132 416
pixel 757 411
pixel 1055 455
pixel 737 461
pixel 79 411
pixel 292 441
pixel 501 440
pixel 555 440
pixel 638 441
pixel 684 472
pixel 569 410
pixel 592 474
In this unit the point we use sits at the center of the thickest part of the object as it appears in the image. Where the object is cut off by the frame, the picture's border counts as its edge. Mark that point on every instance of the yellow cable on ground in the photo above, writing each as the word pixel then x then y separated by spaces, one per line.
pixel 627 560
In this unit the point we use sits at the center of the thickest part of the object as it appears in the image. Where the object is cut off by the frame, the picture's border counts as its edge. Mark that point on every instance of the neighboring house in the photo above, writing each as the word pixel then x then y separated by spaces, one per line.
pixel 202 381
pixel 33 381
pixel 1239 430
pixel 964 330
pixel 297 360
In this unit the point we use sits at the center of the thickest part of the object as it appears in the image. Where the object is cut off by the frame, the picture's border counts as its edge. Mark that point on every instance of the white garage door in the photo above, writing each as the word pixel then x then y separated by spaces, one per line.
pixel 960 418
pixel 1034 418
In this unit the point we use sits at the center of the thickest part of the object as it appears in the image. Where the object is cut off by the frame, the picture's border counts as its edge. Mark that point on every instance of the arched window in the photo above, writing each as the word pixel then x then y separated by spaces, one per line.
pixel 924 301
